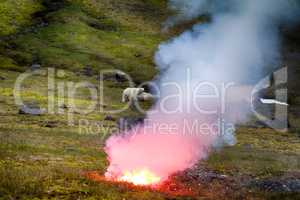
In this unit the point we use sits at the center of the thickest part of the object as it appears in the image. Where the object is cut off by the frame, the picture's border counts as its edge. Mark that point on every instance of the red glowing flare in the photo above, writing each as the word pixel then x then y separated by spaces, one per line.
pixel 140 177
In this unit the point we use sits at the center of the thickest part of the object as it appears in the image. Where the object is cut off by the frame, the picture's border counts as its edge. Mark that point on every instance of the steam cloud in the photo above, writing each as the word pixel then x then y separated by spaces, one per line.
pixel 187 10
pixel 240 41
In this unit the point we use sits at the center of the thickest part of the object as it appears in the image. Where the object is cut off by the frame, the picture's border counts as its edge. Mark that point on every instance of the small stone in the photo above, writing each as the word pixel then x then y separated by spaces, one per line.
pixel 121 77
pixel 51 124
pixel 31 110
pixel 109 118
pixel 116 77
pixel 247 146
pixel 106 77
pixel 87 71
pixel 102 105
pixel 35 67
pixel 137 55
pixel 63 106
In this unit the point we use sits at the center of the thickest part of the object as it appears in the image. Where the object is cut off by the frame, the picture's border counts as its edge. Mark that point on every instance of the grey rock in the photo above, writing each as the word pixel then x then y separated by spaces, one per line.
pixel 116 77
pixel 51 124
pixel 35 67
pixel 278 185
pixel 63 106
pixel 120 77
pixel 247 147
pixel 294 185
pixel 138 55
pixel 87 71
pixel 109 118
pixel 102 105
pixel 31 109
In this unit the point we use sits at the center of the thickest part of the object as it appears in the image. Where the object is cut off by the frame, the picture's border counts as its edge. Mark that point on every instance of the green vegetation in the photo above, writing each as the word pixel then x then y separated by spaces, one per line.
pixel 41 161
pixel 80 33
pixel 261 153
pixel 42 157
pixel 38 161
pixel 16 13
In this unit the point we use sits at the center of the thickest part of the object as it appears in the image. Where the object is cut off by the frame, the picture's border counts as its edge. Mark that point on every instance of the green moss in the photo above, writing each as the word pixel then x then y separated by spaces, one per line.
pixel 103 34
pixel 8 64
pixel 78 36
pixel 15 14
pixel 260 153
pixel 133 15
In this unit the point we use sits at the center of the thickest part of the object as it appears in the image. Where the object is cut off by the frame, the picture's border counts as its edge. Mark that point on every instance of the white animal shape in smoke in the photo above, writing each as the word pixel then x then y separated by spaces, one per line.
pixel 131 94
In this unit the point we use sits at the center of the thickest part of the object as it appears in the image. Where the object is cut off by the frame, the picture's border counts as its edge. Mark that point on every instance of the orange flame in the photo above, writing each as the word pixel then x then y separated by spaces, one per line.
pixel 140 177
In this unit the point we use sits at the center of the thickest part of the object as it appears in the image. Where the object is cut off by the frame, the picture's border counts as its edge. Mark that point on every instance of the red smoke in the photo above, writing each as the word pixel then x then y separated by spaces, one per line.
pixel 148 155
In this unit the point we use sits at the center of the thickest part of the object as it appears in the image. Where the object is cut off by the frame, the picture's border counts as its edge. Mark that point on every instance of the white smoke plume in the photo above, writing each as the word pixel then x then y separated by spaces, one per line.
pixel 239 42
pixel 186 10
pixel 282 10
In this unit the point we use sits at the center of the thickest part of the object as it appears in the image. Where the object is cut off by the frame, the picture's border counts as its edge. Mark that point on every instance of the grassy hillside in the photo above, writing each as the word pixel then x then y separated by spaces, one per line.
pixel 74 34
pixel 43 157
pixel 16 14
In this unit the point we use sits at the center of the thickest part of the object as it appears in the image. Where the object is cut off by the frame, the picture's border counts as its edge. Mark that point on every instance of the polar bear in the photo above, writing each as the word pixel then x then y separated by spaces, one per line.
pixel 131 94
